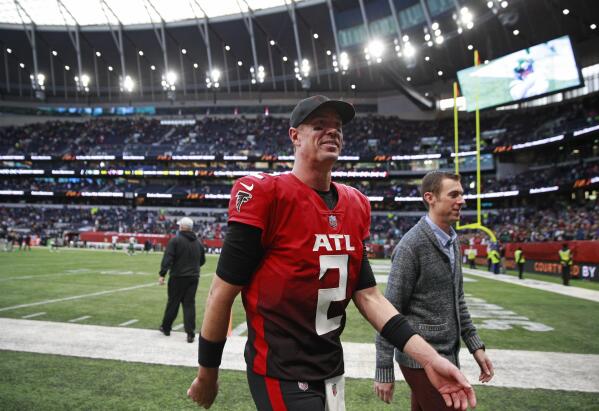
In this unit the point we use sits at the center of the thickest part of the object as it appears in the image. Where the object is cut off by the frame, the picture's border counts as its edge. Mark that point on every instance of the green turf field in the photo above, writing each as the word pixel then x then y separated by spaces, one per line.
pixel 112 288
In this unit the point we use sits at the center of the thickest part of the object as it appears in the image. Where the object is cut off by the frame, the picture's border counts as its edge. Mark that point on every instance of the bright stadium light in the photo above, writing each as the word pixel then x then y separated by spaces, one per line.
pixel 98 54
pixel 110 68
pixel 239 63
pixel 128 84
pixel 140 52
pixel 375 49
pixel 152 67
pixel 261 74
pixel 272 42
pixel 195 65
pixel 22 65
pixel 41 79
pixel 183 51
pixel 169 80
pixel 408 50
pixel 213 78
pixel 54 53
pixel 285 58
pixel 344 61
pixel 9 50
pixel 227 47
pixel 84 80
pixel 67 68
pixel 305 68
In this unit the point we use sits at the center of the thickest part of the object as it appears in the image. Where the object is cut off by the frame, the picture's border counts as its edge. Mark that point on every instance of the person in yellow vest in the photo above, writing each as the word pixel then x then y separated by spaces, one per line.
pixel 471 254
pixel 565 258
pixel 520 260
pixel 495 260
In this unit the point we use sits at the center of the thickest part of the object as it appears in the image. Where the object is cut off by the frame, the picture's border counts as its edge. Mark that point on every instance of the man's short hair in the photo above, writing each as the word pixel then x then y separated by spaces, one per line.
pixel 432 182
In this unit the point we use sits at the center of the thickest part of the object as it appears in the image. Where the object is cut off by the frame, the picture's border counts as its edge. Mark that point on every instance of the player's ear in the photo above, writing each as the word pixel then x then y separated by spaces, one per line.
pixel 428 197
pixel 294 136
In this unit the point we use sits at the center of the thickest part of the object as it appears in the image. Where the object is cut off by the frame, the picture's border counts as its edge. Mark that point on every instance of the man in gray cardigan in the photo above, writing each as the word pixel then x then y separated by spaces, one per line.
pixel 425 284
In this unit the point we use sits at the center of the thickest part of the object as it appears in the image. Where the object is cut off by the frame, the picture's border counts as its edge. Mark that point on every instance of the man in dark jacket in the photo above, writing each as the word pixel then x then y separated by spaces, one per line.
pixel 184 255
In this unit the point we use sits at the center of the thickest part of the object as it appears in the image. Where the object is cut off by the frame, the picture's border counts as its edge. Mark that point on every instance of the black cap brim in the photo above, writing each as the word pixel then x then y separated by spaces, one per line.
pixel 303 110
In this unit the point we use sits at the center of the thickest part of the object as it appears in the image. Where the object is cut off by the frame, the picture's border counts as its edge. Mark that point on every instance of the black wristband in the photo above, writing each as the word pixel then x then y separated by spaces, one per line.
pixel 397 331
pixel 210 353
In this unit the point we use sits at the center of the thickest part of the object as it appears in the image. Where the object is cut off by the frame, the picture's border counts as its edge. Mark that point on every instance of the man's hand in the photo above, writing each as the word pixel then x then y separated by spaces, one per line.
pixel 384 390
pixel 160 280
pixel 204 388
pixel 451 383
pixel 485 364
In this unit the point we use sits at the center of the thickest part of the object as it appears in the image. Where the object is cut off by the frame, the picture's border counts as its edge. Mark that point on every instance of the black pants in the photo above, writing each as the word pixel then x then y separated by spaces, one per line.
pixel 271 394
pixel 520 268
pixel 181 290
pixel 472 264
pixel 566 274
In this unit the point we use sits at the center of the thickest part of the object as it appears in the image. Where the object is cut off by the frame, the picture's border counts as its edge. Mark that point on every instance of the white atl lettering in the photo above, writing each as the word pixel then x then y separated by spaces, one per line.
pixel 323 240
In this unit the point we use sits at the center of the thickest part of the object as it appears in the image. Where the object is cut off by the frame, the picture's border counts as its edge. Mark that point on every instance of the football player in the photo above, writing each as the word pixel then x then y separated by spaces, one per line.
pixel 295 250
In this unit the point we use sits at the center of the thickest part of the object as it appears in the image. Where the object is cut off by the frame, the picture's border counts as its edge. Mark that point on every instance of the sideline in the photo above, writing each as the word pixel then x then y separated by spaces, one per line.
pixel 576 292
pixel 517 369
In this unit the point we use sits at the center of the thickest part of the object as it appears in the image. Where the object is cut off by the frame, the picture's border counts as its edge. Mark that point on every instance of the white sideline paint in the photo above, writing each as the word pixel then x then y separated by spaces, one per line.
pixel 518 369
pixel 77 297
pixel 576 292
pixel 33 315
pixel 85 317
pixel 240 329
pixel 178 326
pixel 126 323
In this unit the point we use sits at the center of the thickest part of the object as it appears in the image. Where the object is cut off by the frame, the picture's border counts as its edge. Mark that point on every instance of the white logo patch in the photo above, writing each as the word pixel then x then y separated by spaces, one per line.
pixel 248 188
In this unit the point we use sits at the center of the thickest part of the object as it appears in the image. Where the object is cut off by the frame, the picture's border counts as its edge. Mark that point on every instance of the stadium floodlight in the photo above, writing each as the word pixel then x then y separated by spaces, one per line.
pixel 152 67
pixel 353 86
pixel 195 65
pixel 227 47
pixel 408 50
pixel 435 26
pixel 67 68
pixel 427 58
pixel 98 54
pixel 329 52
pixel 285 58
pixel 593 26
pixel 516 32
pixel 213 78
pixel 375 49
pixel 85 80
pixel 54 53
pixel 8 50
pixel 504 4
pixel 566 12
pixel 261 74
pixel 439 39
pixel 22 65
pixel 140 52
pixel 405 38
pixel 183 51
pixel 470 46
pixel 128 84
pixel 169 80
pixel 272 42
pixel 440 73
pixel 41 79
pixel 408 78
pixel 466 18
pixel 239 63
pixel 344 61
pixel 305 68
pixel 315 35
pixel 110 68
pixel 82 83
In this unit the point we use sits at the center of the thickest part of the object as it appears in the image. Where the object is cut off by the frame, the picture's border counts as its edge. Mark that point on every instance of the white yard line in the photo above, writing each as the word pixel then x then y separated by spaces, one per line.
pixel 576 292
pixel 178 327
pixel 85 317
pixel 77 297
pixel 33 315
pixel 518 369
pixel 240 329
pixel 126 323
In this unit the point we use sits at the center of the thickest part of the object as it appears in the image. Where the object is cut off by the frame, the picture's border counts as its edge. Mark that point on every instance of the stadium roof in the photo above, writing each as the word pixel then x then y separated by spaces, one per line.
pixel 277 41
pixel 58 13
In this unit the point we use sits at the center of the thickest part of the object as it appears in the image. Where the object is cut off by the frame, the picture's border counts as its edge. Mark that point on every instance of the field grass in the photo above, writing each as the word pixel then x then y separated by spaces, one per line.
pixel 113 288
pixel 574 282
pixel 50 382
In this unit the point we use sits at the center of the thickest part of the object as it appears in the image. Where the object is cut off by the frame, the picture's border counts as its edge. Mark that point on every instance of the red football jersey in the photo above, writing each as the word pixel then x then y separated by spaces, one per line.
pixel 296 299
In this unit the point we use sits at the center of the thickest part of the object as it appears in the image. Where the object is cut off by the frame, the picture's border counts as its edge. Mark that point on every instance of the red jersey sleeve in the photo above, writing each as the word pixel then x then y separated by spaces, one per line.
pixel 251 199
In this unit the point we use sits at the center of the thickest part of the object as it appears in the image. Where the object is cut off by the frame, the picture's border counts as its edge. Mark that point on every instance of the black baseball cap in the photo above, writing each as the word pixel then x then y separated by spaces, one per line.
pixel 309 105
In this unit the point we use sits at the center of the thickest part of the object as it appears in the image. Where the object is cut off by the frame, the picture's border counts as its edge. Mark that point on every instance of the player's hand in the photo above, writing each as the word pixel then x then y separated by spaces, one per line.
pixel 485 364
pixel 451 383
pixel 384 390
pixel 160 280
pixel 204 388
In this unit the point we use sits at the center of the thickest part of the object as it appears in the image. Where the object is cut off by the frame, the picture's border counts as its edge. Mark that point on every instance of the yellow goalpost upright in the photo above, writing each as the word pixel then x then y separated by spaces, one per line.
pixel 478 224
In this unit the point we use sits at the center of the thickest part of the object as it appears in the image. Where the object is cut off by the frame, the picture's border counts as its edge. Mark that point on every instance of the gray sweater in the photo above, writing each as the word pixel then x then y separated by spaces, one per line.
pixel 423 287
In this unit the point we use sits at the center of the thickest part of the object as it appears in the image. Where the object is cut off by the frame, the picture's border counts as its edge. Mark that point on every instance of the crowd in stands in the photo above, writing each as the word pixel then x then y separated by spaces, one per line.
pixel 556 223
pixel 366 135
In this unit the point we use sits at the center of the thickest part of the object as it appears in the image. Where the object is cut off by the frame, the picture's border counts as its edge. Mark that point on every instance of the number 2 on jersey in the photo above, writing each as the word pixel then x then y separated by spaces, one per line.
pixel 326 296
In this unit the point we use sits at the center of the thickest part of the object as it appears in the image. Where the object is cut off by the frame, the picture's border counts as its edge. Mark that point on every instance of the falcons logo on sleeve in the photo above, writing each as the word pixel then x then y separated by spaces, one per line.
pixel 242 198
